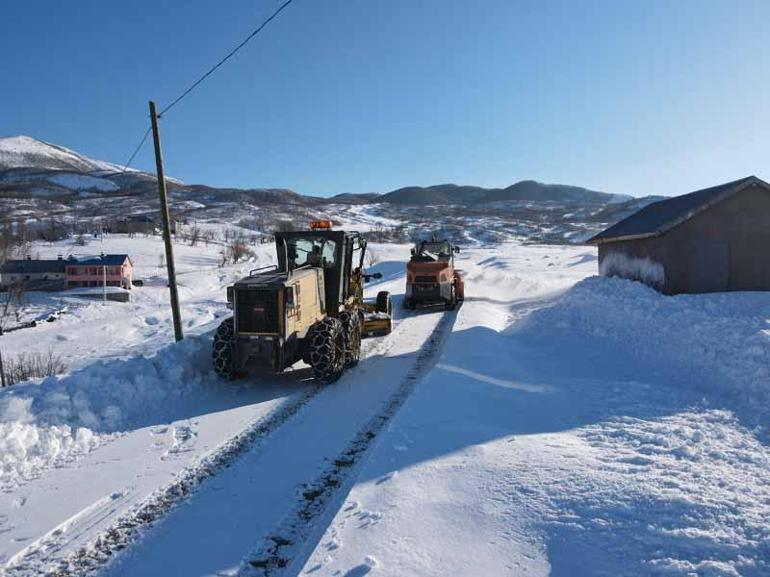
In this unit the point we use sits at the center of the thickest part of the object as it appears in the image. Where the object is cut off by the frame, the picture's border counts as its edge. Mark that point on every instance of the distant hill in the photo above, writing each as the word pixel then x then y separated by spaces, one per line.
pixel 45 172
pixel 532 190
pixel 437 194
pixel 523 190
pixel 354 198
pixel 27 152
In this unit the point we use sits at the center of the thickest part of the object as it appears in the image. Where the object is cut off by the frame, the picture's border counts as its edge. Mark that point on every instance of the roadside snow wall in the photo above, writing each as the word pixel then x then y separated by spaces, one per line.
pixel 48 423
pixel 718 342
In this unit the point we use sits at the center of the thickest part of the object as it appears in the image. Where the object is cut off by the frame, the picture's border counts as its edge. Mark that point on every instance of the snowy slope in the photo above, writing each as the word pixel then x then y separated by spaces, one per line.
pixel 24 151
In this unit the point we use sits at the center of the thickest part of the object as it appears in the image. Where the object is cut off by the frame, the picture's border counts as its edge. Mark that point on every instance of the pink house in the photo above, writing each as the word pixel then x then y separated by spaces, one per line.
pixel 91 271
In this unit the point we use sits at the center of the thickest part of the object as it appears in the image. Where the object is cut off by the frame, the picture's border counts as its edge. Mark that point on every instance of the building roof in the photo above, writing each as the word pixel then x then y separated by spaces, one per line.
pixel 658 217
pixel 99 260
pixel 32 266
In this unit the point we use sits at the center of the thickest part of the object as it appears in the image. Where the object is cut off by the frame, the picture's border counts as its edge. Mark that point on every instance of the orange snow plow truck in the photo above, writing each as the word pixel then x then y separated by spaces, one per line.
pixel 431 276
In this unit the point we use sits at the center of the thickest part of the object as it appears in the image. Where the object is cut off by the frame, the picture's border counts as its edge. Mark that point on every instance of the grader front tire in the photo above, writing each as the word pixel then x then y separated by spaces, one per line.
pixel 222 350
pixel 326 342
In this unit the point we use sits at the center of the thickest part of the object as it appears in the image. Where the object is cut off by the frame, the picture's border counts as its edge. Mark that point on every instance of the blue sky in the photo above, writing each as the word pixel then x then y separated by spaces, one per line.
pixel 639 97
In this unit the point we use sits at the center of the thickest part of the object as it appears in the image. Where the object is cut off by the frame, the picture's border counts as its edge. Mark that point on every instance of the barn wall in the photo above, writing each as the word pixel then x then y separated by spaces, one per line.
pixel 721 248
pixel 725 246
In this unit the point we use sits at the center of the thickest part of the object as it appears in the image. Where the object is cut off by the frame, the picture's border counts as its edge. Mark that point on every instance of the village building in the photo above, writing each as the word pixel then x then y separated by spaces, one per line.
pixel 43 275
pixel 114 270
pixel 133 224
pixel 710 240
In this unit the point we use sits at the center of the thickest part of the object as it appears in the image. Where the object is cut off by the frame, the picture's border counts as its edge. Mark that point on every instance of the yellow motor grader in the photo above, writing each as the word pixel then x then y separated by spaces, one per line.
pixel 310 306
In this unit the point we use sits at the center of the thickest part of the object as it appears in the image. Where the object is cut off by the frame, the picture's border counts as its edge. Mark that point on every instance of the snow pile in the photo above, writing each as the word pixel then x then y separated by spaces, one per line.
pixel 718 341
pixel 643 269
pixel 46 424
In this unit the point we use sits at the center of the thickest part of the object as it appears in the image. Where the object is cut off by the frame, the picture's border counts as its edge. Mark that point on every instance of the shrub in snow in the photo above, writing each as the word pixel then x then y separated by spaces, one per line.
pixel 26 366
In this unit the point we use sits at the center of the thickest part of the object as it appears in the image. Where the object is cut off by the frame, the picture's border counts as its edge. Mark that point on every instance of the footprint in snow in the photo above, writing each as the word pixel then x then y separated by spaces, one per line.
pixel 184 440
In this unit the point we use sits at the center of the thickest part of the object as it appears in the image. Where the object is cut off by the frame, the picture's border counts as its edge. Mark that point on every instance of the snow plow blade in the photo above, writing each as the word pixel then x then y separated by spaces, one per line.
pixel 378 316
pixel 376 325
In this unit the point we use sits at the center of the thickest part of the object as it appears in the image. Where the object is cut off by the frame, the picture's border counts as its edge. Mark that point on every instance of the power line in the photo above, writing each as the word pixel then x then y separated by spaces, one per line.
pixel 225 59
pixel 208 73
pixel 136 150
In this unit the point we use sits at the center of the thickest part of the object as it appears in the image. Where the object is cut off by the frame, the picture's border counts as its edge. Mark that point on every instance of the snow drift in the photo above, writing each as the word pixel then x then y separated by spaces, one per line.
pixel 713 342
pixel 49 423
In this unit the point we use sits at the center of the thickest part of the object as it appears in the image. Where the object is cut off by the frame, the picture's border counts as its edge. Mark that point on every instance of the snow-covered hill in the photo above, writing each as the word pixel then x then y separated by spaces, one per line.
pixel 27 152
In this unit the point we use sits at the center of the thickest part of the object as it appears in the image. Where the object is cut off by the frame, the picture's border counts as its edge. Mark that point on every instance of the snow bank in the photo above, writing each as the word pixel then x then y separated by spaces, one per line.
pixel 47 424
pixel 715 341
pixel 643 269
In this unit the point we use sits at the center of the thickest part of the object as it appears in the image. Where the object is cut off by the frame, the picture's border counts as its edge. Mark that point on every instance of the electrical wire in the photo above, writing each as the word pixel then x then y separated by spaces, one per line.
pixel 136 150
pixel 208 73
pixel 232 53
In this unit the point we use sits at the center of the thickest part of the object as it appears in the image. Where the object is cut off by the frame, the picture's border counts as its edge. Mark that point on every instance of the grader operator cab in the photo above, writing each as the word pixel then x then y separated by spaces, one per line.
pixel 310 307
pixel 431 276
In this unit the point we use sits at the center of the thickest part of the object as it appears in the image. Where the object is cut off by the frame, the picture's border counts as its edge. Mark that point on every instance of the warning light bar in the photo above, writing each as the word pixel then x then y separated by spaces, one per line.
pixel 320 224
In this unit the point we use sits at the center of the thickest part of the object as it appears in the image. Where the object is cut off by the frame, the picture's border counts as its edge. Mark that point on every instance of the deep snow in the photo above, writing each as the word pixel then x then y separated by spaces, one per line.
pixel 571 426
pixel 608 430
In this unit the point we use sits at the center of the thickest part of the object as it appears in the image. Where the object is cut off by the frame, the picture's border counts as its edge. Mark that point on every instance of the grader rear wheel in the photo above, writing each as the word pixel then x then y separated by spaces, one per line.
pixel 326 342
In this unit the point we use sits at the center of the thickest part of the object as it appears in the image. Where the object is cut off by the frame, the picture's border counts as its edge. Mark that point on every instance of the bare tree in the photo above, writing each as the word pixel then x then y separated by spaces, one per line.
pixel 237 249
pixel 11 308
pixel 372 258
pixel 34 365
pixel 194 235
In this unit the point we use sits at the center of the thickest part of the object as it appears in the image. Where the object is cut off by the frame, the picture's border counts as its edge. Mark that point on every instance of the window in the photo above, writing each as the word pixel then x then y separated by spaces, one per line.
pixel 311 251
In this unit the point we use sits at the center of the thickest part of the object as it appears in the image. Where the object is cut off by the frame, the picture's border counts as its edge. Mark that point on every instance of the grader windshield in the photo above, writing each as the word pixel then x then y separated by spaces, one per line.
pixel 311 251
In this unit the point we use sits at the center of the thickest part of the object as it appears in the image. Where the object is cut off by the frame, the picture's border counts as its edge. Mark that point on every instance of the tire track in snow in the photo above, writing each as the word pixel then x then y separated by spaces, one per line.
pixel 41 557
pixel 284 552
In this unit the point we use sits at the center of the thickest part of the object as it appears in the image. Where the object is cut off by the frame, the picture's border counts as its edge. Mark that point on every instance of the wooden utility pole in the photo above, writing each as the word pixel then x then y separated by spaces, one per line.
pixel 2 371
pixel 177 317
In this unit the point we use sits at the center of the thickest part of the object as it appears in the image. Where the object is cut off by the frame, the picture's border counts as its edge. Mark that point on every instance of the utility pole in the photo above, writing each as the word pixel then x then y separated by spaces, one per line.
pixel 104 284
pixel 2 371
pixel 177 317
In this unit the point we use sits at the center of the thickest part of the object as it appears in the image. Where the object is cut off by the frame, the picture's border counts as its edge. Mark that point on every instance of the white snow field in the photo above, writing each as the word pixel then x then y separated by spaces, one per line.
pixel 555 424
pixel 608 430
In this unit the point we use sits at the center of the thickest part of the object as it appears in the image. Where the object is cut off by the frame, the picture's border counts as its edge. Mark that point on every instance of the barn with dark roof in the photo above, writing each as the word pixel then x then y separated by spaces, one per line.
pixel 710 240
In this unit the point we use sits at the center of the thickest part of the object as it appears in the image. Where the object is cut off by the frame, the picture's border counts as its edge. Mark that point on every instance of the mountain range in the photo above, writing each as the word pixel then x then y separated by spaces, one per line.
pixel 34 168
